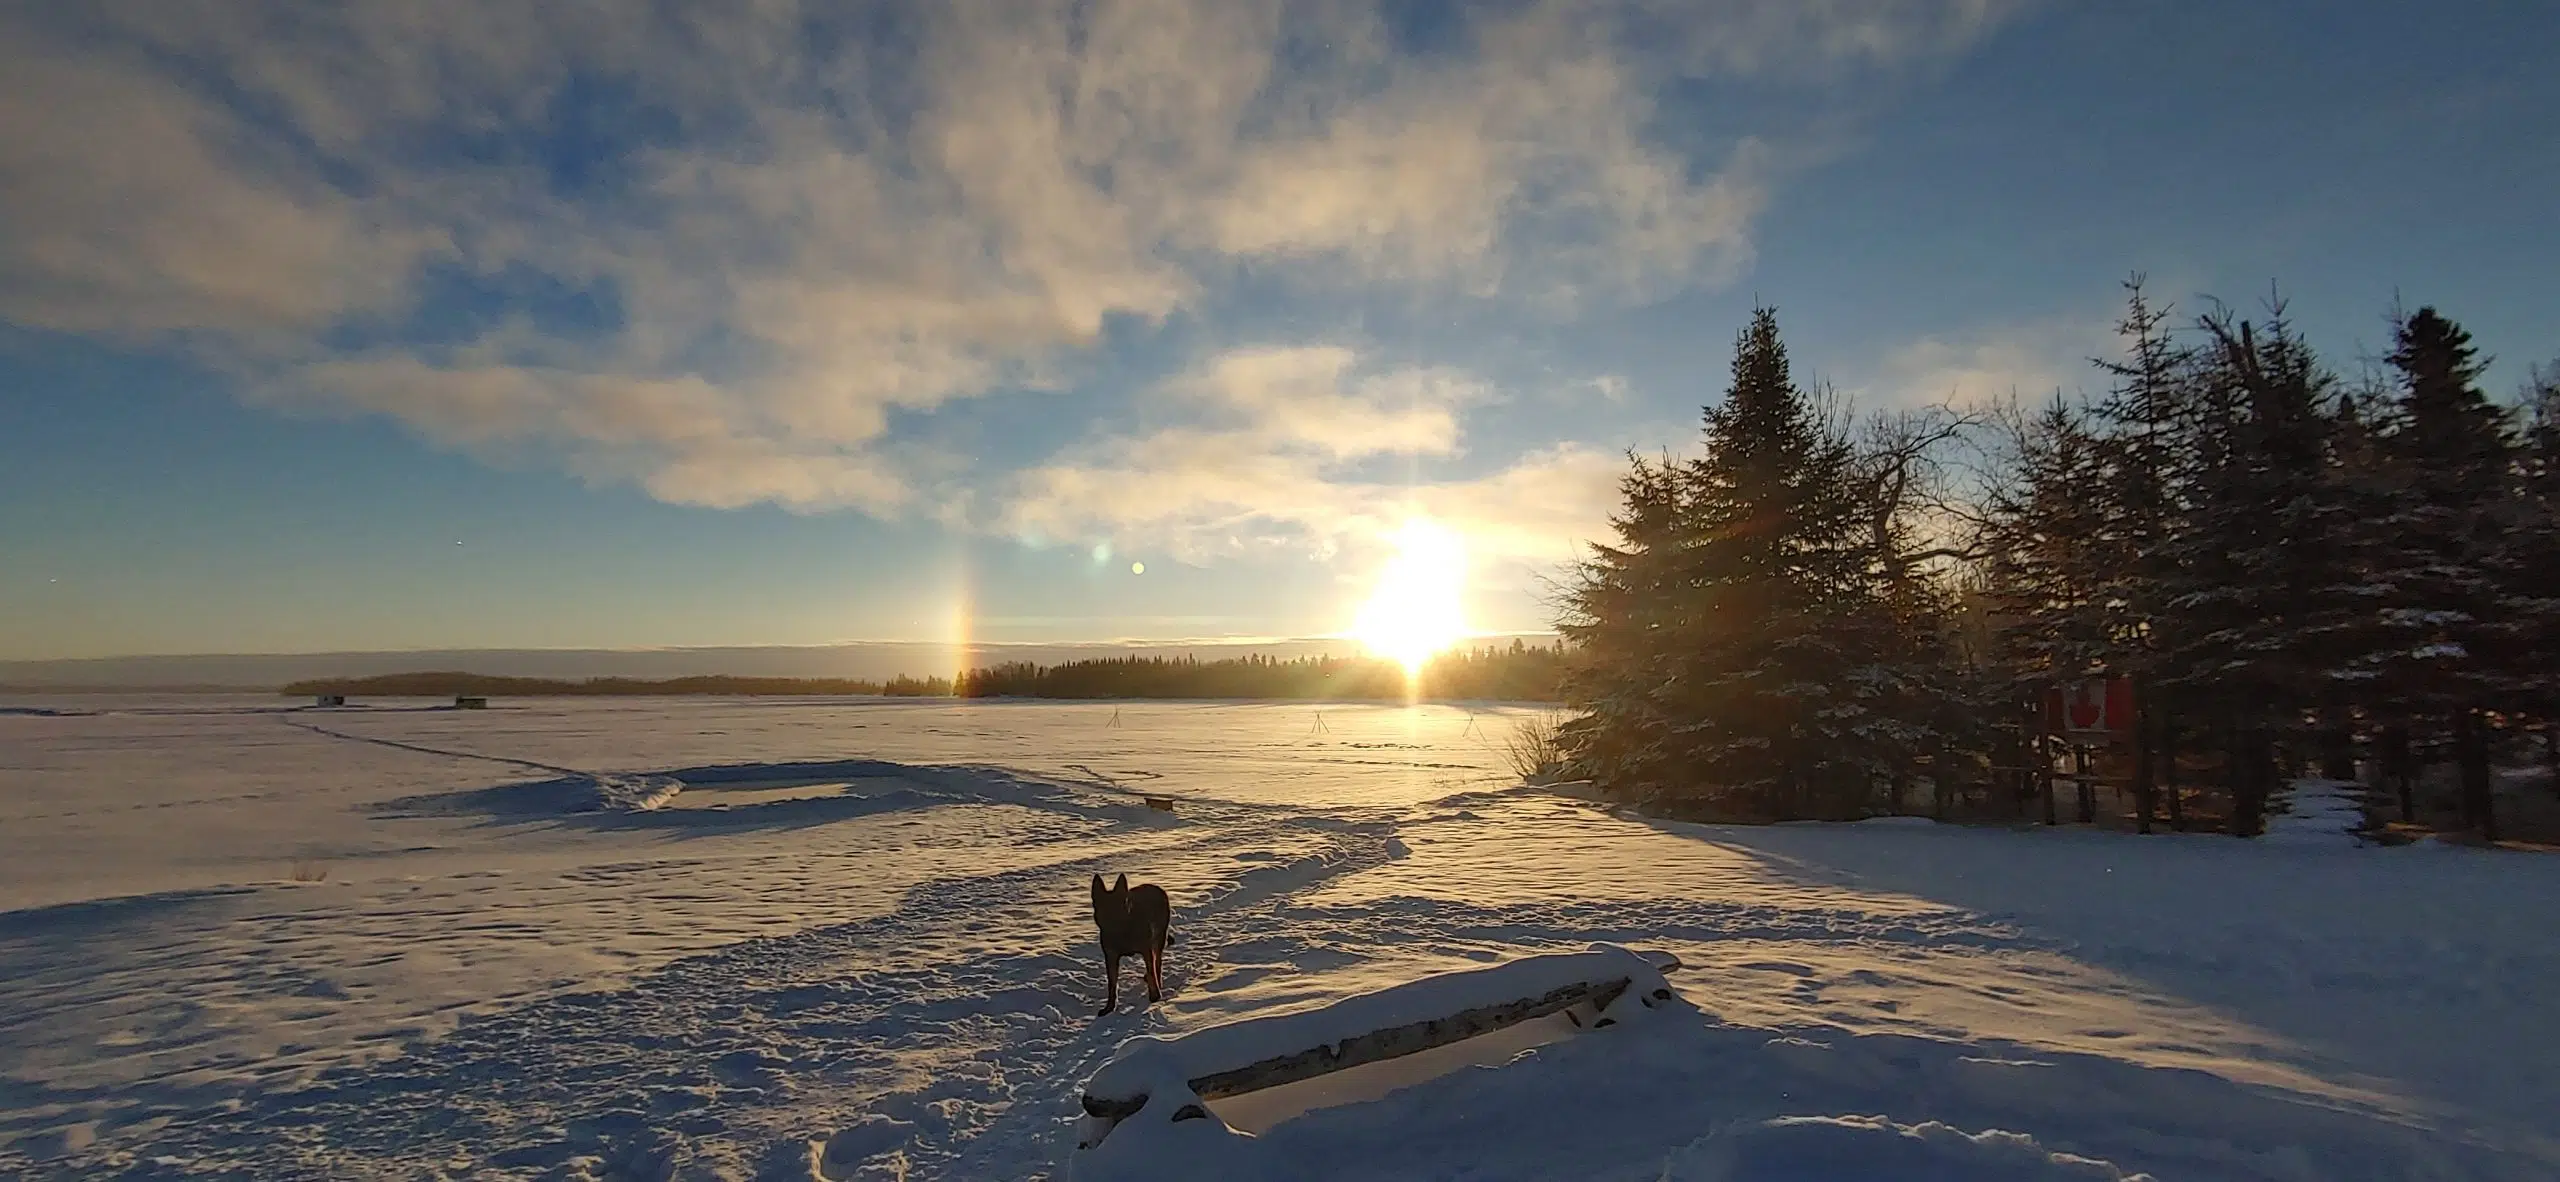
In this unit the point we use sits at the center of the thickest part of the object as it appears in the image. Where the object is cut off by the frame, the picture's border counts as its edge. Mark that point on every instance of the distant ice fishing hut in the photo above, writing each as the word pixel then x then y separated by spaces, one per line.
pixel 470 703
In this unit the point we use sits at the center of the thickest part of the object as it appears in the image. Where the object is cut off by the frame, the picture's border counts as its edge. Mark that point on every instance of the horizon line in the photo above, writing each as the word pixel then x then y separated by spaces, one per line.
pixel 1124 642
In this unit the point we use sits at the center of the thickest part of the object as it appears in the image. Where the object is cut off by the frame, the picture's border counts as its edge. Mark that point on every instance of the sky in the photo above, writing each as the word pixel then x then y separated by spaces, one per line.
pixel 471 323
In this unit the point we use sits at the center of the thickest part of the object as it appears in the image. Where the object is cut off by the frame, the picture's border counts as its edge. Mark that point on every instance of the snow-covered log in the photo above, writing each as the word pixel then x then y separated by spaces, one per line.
pixel 1257 1053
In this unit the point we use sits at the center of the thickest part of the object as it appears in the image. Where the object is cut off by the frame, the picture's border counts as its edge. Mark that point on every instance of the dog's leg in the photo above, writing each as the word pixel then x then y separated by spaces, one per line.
pixel 1155 971
pixel 1110 982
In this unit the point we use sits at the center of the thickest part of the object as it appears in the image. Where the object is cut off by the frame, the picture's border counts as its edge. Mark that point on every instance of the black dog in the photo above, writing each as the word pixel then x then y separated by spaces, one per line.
pixel 1135 921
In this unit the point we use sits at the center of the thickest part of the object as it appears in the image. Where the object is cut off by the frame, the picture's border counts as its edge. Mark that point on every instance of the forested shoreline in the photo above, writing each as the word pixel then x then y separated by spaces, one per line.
pixel 1518 672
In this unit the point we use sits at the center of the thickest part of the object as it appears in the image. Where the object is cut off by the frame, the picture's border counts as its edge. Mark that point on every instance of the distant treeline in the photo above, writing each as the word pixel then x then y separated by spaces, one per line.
pixel 439 685
pixel 1519 672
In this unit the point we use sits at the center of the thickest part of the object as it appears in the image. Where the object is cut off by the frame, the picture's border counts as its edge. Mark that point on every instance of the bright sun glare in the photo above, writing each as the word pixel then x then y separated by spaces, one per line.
pixel 1415 611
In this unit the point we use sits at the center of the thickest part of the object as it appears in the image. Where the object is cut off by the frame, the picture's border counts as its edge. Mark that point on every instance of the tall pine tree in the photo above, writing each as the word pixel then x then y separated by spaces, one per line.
pixel 2448 454
pixel 2139 570
pixel 1618 613
pixel 2530 568
pixel 2045 559
pixel 1780 686
pixel 1736 656
pixel 2258 632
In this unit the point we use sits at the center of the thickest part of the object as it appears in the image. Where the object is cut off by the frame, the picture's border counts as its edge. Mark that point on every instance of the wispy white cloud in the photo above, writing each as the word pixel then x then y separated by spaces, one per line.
pixel 1815 37
pixel 1311 398
pixel 1288 458
pixel 1608 387
pixel 2031 360
pixel 812 216
pixel 128 213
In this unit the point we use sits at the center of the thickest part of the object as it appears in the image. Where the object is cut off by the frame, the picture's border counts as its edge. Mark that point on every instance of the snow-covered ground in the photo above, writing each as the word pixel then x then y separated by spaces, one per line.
pixel 2317 812
pixel 848 939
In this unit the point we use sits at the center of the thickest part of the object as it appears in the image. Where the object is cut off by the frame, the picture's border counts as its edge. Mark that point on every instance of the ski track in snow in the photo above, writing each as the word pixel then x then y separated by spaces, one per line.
pixel 422 749
pixel 816 965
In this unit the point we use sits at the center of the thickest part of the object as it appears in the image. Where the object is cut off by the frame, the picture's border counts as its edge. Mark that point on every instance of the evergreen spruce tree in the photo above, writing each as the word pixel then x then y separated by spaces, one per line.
pixel 1780 635
pixel 2448 455
pixel 2138 573
pixel 2267 630
pixel 1618 613
pixel 1732 654
pixel 2210 548
pixel 2355 633
pixel 2046 562
pixel 2529 569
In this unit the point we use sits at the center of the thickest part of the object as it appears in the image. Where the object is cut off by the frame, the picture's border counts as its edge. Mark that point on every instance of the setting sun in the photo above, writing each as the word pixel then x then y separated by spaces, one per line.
pixel 1416 610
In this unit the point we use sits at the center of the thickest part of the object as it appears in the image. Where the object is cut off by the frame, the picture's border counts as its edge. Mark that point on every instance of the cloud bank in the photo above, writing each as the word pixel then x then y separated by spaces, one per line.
pixel 1301 448
pixel 718 251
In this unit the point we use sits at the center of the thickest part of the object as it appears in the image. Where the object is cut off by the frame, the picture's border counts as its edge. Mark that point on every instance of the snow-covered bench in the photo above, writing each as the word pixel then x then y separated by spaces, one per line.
pixel 1162 1081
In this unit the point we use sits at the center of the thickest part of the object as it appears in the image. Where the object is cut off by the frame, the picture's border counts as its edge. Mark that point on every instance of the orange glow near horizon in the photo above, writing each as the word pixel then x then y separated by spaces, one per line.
pixel 1417 609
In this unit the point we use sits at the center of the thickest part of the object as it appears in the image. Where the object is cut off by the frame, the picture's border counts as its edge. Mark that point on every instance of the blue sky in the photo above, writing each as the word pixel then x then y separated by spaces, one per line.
pixel 475 324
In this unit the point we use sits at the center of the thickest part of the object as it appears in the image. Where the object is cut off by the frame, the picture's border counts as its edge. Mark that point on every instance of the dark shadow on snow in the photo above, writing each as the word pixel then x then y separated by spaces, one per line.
pixel 89 919
pixel 869 787
pixel 2333 950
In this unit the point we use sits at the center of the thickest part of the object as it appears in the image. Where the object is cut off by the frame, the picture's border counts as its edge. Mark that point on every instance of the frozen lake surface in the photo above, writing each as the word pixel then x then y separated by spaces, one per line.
pixel 847 938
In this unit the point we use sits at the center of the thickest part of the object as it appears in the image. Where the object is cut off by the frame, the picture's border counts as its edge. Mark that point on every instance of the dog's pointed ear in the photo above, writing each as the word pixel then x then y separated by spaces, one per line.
pixel 1121 887
pixel 1097 886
